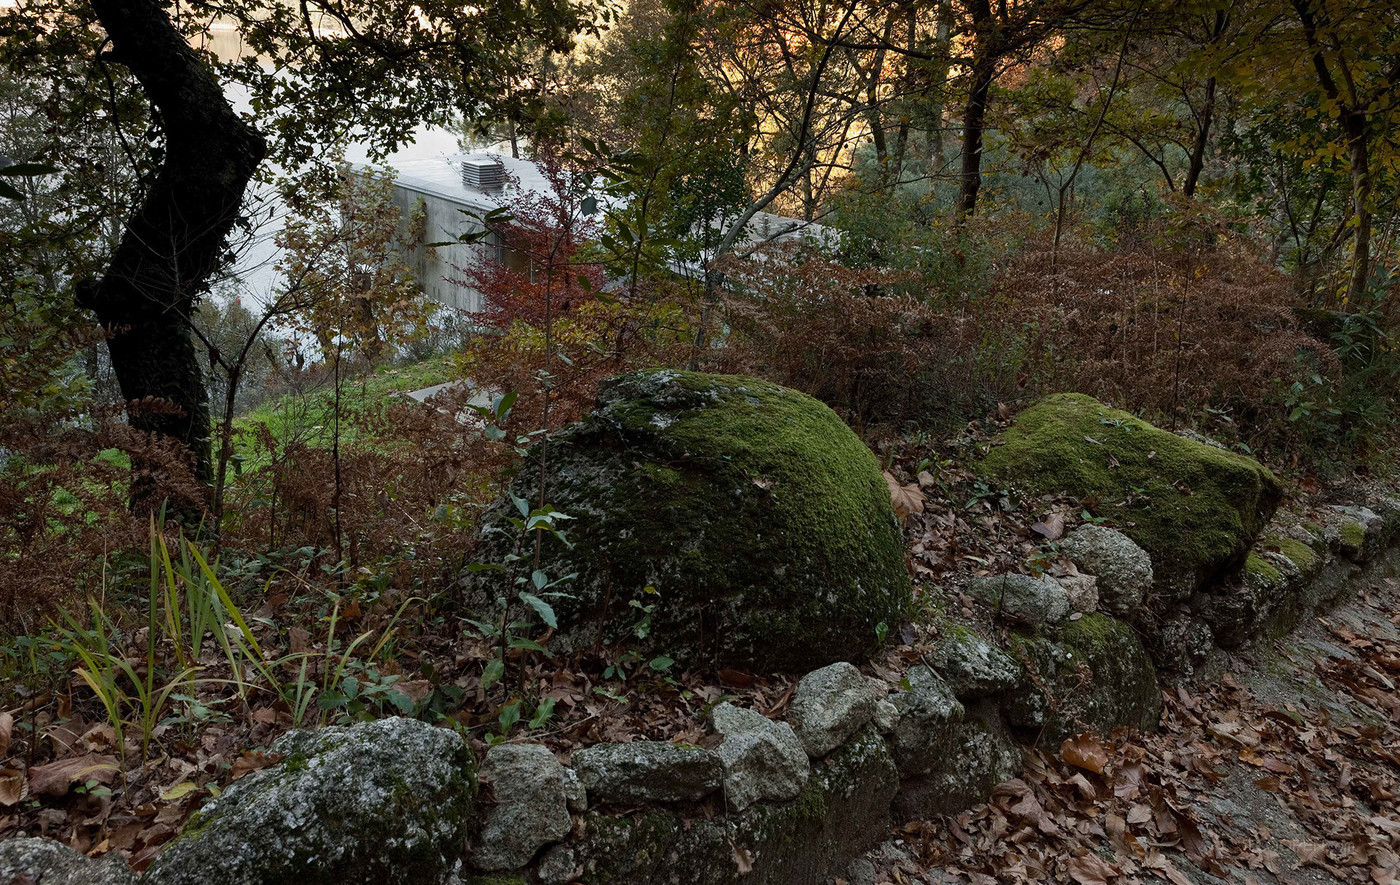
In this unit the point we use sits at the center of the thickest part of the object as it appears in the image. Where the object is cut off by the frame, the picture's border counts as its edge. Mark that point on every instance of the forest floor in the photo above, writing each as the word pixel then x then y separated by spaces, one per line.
pixel 1283 769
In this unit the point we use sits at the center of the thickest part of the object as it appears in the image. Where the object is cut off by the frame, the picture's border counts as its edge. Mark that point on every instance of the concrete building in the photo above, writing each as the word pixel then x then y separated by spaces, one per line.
pixel 448 195
pixel 452 193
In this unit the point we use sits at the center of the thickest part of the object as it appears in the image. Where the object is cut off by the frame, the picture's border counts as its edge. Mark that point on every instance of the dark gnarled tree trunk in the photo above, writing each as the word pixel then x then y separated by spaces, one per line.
pixel 175 239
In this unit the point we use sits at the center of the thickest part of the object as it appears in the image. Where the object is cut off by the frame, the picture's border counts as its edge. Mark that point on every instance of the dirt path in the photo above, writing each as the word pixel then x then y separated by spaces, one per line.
pixel 1282 767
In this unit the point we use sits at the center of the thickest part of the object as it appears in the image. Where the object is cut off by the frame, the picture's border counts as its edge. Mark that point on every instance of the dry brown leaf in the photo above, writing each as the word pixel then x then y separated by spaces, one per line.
pixel 906 499
pixel 1090 869
pixel 252 760
pixel 1309 853
pixel 7 727
pixel 1085 751
pixel 1052 528
pixel 736 678
pixel 57 778
pixel 743 859
pixel 265 716
pixel 14 786
pixel 298 641
pixel 1123 841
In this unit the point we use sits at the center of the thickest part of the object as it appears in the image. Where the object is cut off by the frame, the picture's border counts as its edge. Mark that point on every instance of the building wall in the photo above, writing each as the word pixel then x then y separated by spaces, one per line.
pixel 436 267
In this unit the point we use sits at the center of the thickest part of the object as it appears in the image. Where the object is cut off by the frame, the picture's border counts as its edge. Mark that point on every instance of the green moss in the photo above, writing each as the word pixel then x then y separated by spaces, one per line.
pixel 657 473
pixel 296 762
pixel 495 879
pixel 1261 571
pixel 1196 509
pixel 1353 535
pixel 760 518
pixel 1095 674
pixel 1298 553
pixel 1315 529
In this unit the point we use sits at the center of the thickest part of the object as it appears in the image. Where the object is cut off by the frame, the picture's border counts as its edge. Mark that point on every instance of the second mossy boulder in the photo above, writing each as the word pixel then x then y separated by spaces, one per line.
pixel 1195 508
pixel 759 520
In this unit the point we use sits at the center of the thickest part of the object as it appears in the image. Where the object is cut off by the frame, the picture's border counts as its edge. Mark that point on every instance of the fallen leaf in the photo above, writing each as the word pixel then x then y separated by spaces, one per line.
pixel 743 860
pixel 57 778
pixel 736 678
pixel 1309 853
pixel 180 791
pixel 298 641
pixel 1052 528
pixel 13 786
pixel 1090 869
pixel 7 725
pixel 252 760
pixel 906 499
pixel 1086 752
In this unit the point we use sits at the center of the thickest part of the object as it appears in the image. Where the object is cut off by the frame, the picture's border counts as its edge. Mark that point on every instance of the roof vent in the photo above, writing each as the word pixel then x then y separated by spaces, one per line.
pixel 483 173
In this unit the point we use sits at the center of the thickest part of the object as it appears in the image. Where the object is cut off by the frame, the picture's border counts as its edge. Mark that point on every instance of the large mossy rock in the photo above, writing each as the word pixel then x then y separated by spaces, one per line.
pixel 760 519
pixel 1195 508
pixel 378 803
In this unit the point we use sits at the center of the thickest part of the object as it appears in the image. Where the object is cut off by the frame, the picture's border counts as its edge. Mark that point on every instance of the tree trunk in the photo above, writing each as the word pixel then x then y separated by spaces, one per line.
pixel 938 83
pixel 1361 187
pixel 974 122
pixel 175 239
pixel 1198 149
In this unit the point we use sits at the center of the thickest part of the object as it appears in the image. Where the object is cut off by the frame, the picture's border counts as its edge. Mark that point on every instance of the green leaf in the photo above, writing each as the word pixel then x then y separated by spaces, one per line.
pixel 540 578
pixel 510 714
pixel 542 608
pixel 528 645
pixel 503 404
pixel 661 663
pixel 495 669
pixel 543 713
pixel 8 191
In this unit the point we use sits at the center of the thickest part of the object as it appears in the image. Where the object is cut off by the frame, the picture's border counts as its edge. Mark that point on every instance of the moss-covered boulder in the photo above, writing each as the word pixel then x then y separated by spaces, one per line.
pixel 1195 509
pixel 761 521
pixel 378 803
pixel 1095 675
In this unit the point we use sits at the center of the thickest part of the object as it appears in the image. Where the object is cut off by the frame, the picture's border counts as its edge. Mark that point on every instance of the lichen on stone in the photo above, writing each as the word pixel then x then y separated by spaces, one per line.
pixel 378 803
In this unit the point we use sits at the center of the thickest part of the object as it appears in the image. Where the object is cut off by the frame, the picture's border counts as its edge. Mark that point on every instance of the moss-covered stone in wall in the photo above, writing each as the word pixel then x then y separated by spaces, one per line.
pixel 842 811
pixel 380 803
pixel 1095 675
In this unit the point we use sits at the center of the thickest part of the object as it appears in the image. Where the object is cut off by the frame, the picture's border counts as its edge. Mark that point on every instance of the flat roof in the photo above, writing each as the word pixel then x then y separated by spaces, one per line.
pixel 442 177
